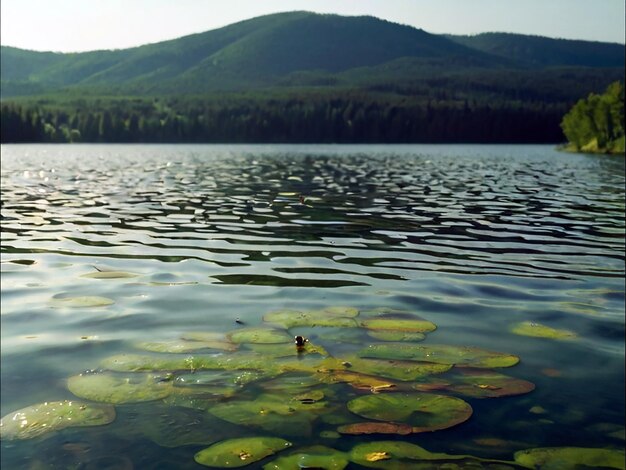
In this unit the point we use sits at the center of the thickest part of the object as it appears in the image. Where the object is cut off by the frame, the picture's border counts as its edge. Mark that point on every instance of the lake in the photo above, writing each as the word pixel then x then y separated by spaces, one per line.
pixel 136 279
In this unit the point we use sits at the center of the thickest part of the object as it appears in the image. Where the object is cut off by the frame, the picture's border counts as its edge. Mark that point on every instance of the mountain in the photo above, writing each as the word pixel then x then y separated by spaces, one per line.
pixel 545 52
pixel 294 48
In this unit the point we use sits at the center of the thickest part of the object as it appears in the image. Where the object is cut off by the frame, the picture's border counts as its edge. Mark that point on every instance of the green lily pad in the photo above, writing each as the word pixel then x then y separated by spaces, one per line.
pixel 376 427
pixel 82 302
pixel 394 335
pixel 408 323
pixel 570 457
pixel 36 420
pixel 398 455
pixel 478 383
pixel 272 413
pixel 393 455
pixel 109 388
pixel 138 362
pixel 536 330
pixel 287 349
pixel 240 452
pixel 218 380
pixel 358 381
pixel 260 335
pixel 109 275
pixel 294 318
pixel 183 346
pixel 204 336
pixel 291 384
pixel 463 356
pixel 388 368
pixel 319 457
pixel 422 411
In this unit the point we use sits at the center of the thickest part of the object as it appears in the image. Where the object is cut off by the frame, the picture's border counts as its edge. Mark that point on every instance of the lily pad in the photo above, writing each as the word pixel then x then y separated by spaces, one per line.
pixel 82 302
pixel 240 452
pixel 110 275
pixel 463 356
pixel 109 388
pixel 394 335
pixel 138 362
pixel 393 454
pixel 183 346
pixel 422 411
pixel 413 324
pixel 260 335
pixel 272 413
pixel 287 349
pixel 359 381
pixel 388 368
pixel 293 318
pixel 319 457
pixel 570 457
pixel 217 381
pixel 376 427
pixel 291 384
pixel 479 383
pixel 36 420
pixel 536 330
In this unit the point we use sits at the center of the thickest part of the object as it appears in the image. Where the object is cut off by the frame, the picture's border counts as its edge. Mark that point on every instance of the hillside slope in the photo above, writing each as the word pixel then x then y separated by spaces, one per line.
pixel 290 49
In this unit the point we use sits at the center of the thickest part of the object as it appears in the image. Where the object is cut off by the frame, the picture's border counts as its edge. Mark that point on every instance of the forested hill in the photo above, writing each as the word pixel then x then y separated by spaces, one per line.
pixel 344 78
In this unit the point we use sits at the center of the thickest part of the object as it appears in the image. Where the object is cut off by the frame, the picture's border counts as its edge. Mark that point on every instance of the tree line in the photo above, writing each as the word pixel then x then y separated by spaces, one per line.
pixel 289 119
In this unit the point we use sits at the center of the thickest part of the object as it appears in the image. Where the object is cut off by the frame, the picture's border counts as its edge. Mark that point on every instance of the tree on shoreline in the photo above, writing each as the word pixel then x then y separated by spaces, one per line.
pixel 596 124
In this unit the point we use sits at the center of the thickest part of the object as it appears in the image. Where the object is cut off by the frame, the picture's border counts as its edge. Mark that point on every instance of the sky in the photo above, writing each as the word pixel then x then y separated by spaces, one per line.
pixel 83 25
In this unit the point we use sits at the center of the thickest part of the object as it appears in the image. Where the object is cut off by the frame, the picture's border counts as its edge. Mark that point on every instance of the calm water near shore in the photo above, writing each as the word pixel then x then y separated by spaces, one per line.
pixel 476 239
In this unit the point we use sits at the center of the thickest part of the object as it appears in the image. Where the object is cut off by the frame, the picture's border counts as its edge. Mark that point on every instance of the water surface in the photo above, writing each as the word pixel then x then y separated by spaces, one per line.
pixel 473 238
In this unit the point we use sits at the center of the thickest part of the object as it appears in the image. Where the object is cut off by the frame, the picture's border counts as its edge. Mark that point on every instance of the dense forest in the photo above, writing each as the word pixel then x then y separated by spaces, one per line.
pixel 310 118
pixel 596 124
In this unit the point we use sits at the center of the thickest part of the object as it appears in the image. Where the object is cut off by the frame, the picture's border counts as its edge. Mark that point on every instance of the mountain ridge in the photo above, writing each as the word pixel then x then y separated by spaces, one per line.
pixel 267 51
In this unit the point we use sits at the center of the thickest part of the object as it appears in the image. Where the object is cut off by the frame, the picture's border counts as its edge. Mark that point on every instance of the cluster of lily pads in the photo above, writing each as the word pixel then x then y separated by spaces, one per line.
pixel 257 379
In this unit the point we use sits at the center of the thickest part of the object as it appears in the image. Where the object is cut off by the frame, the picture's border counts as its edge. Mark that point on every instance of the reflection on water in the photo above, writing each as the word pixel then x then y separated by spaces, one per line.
pixel 106 245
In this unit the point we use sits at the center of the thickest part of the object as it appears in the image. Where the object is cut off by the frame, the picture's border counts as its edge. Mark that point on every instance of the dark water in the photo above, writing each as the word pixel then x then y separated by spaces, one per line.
pixel 473 238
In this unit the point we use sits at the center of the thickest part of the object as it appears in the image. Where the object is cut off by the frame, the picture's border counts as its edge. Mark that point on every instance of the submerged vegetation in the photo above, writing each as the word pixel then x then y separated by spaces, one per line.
pixel 273 392
pixel 596 124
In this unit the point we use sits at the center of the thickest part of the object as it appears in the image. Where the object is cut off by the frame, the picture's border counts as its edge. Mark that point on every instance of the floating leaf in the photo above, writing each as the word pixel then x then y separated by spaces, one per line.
pixel 463 356
pixel 271 412
pixel 294 318
pixel 182 346
pixel 391 369
pixel 393 454
pixel 217 382
pixel 413 324
pixel 287 349
pixel 82 302
pixel 570 457
pixel 291 384
pixel 33 421
pixel 240 452
pixel 376 427
pixel 393 335
pixel 358 381
pixel 422 411
pixel 536 330
pixel 260 335
pixel 110 275
pixel 479 383
pixel 319 457
pixel 109 388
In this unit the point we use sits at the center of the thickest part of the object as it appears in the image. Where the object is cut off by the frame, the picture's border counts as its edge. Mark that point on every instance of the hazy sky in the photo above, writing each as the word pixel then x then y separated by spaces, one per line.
pixel 81 25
